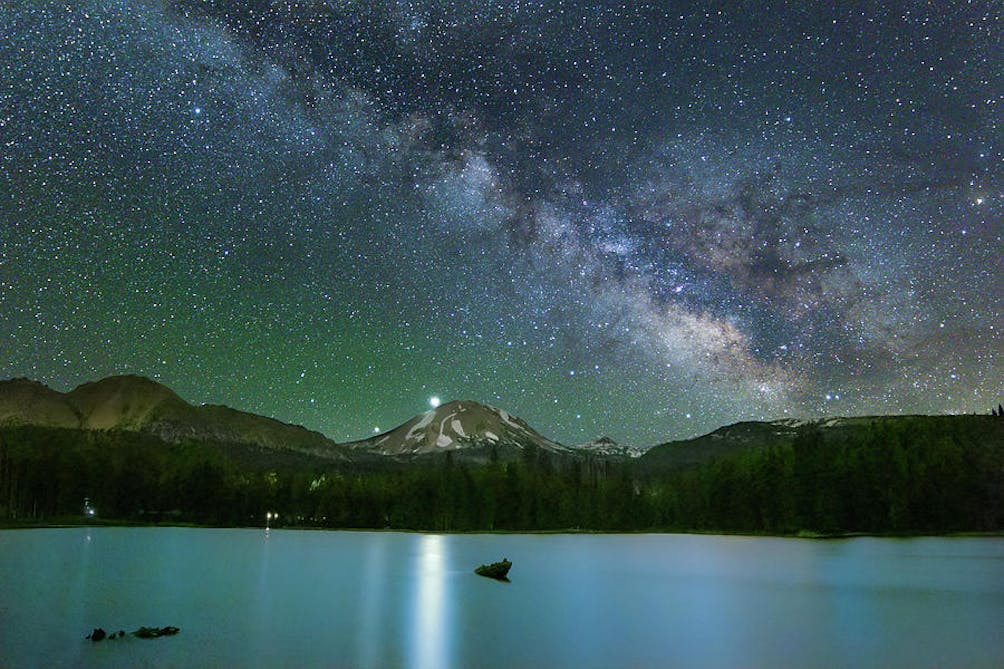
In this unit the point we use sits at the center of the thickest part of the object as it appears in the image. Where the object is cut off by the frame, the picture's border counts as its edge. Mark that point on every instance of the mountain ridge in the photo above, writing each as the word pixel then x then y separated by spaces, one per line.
pixel 754 435
pixel 139 404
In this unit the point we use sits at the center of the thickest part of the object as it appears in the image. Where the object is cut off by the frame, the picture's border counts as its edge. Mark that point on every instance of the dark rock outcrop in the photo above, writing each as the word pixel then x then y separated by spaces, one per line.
pixel 154 632
pixel 497 570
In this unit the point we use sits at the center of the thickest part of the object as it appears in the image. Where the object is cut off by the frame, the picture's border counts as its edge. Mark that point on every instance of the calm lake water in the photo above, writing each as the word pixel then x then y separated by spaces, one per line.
pixel 244 598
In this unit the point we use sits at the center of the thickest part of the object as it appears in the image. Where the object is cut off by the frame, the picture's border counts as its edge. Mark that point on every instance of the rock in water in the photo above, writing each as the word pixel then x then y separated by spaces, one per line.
pixel 154 632
pixel 496 570
pixel 97 635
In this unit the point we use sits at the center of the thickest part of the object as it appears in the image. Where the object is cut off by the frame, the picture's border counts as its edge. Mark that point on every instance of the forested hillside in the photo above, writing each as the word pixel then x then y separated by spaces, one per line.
pixel 894 474
pixel 884 474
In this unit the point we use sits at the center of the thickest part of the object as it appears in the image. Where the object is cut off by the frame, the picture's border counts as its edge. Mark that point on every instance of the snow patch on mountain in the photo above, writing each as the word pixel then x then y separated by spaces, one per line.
pixel 425 420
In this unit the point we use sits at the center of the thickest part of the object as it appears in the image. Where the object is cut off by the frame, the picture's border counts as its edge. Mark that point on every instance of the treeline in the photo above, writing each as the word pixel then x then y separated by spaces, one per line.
pixel 910 475
pixel 47 473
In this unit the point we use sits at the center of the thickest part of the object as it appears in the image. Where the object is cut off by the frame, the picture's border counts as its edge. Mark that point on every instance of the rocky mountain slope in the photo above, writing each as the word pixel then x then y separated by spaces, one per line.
pixel 138 404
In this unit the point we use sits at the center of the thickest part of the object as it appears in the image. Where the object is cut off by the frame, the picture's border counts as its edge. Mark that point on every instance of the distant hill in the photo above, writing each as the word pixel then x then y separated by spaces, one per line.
pixel 753 435
pixel 723 441
pixel 138 404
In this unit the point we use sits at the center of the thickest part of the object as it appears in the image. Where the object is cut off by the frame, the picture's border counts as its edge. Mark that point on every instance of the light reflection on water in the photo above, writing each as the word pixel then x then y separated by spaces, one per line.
pixel 369 635
pixel 431 606
pixel 262 609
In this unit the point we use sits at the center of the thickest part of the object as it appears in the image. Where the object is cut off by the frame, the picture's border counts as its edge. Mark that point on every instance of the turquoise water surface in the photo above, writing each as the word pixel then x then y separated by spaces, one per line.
pixel 247 598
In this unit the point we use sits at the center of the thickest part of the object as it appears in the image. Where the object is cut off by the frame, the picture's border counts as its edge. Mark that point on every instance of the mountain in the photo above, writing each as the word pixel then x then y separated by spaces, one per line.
pixel 474 431
pixel 607 447
pixel 723 441
pixel 26 402
pixel 124 403
pixel 461 424
pixel 138 404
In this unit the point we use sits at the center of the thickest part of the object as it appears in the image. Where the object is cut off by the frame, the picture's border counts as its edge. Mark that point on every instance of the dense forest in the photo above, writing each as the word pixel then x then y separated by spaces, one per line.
pixel 914 474
pixel 918 474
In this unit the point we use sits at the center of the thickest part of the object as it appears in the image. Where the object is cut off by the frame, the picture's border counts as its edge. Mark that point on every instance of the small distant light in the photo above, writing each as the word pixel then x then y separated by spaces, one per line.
pixel 434 401
pixel 376 430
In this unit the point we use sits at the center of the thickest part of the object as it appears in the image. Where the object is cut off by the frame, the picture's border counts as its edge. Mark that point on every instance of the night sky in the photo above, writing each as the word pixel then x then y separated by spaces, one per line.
pixel 645 220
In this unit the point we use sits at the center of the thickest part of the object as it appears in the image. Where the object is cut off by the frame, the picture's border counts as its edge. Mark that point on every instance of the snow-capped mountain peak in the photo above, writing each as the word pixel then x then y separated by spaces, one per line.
pixel 455 425
pixel 607 446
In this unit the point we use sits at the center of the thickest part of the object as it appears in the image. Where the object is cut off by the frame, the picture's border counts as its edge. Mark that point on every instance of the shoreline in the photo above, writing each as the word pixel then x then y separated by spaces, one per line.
pixel 69 524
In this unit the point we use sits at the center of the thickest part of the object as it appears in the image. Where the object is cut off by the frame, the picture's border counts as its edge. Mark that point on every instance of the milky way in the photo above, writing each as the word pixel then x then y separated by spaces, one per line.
pixel 643 219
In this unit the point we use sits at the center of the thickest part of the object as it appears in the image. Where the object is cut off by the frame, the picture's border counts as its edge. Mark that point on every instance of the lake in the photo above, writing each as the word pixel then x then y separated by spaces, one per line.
pixel 247 598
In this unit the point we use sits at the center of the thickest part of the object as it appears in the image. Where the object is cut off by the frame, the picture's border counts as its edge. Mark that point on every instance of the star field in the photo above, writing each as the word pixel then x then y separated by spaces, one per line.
pixel 645 220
